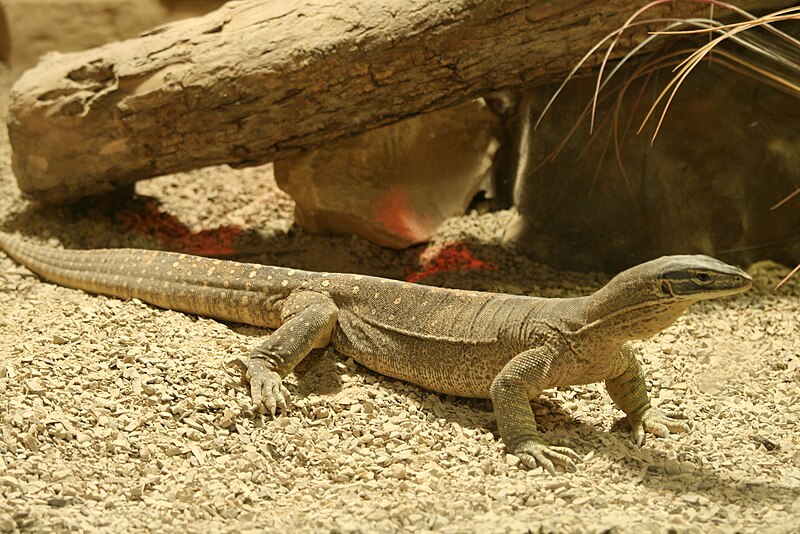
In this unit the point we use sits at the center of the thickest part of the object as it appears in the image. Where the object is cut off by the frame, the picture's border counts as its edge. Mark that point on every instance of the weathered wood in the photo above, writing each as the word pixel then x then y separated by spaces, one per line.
pixel 256 81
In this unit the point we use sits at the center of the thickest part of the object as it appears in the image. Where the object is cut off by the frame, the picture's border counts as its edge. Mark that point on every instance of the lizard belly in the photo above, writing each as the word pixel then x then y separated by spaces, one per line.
pixel 445 340
pixel 464 369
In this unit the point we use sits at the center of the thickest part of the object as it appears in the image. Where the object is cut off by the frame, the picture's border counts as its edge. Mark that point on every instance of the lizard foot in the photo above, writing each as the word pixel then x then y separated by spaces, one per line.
pixel 266 387
pixel 533 452
pixel 656 422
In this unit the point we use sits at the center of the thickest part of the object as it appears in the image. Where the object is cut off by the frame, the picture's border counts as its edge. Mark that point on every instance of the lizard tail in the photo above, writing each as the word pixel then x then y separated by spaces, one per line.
pixel 229 291
pixel 95 271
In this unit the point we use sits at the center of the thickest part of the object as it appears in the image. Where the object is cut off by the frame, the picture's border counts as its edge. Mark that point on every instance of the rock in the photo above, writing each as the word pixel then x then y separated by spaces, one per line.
pixel 7 523
pixel 672 466
pixel 34 385
pixel 395 185
pixel 59 340
pixel 688 193
pixel 35 27
pixel 57 502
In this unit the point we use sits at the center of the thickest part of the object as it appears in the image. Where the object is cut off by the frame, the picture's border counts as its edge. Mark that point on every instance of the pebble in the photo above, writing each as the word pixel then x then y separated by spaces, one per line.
pixel 58 340
pixel 57 502
pixel 34 385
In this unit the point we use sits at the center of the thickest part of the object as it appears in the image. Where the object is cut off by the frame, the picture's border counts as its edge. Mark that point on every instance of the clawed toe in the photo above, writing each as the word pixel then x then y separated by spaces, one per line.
pixel 658 423
pixel 267 392
pixel 534 453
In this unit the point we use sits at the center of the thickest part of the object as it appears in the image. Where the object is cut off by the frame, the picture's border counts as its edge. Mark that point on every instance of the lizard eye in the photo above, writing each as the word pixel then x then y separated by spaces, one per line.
pixel 703 278
pixel 666 289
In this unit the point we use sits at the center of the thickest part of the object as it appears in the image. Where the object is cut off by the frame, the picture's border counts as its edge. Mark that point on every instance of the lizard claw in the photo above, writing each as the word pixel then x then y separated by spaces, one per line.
pixel 657 422
pixel 238 365
pixel 533 452
pixel 266 387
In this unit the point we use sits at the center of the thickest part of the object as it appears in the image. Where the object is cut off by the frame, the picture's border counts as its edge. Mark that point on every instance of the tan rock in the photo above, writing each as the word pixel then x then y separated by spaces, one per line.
pixel 395 185
pixel 36 27
pixel 31 28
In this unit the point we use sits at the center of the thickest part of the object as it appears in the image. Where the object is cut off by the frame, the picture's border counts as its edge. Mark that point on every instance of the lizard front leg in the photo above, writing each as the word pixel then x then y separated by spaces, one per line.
pixel 630 395
pixel 523 378
pixel 308 319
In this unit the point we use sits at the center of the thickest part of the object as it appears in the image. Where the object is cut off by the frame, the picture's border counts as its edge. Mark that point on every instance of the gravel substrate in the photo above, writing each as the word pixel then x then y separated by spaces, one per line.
pixel 116 416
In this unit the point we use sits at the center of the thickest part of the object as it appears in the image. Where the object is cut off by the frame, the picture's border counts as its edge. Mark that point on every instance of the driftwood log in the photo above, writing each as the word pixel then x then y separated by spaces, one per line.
pixel 256 81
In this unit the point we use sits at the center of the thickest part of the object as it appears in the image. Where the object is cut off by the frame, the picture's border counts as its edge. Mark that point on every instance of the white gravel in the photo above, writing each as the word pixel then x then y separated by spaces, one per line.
pixel 117 416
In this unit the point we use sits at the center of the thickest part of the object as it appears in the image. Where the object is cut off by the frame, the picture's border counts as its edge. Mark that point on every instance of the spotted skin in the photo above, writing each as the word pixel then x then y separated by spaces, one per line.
pixel 466 343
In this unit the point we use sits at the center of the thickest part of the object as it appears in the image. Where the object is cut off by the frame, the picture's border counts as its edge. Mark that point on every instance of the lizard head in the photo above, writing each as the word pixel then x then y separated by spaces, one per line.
pixel 645 299
pixel 697 277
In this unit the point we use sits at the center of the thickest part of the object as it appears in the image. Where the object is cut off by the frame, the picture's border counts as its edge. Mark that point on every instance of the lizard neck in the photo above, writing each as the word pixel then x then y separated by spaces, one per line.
pixel 628 308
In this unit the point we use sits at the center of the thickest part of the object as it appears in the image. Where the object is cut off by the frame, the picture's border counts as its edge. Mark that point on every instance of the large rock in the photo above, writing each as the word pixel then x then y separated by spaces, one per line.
pixel 39 26
pixel 395 185
pixel 35 27
pixel 727 152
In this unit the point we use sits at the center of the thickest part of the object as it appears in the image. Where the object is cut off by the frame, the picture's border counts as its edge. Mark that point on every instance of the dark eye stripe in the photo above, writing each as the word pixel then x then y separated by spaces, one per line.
pixel 682 276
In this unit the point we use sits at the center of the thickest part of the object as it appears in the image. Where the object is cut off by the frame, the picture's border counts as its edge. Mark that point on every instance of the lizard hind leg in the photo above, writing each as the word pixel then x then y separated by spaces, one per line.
pixel 308 319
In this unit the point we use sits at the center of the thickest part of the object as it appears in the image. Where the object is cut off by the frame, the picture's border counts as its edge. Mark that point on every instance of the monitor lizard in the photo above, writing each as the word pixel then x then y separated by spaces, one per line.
pixel 508 348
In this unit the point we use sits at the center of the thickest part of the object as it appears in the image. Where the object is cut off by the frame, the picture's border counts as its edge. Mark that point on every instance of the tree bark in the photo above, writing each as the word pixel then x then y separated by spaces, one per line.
pixel 256 81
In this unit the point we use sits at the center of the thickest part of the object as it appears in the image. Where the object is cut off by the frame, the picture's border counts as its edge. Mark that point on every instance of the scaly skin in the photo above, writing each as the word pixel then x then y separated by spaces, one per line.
pixel 467 343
